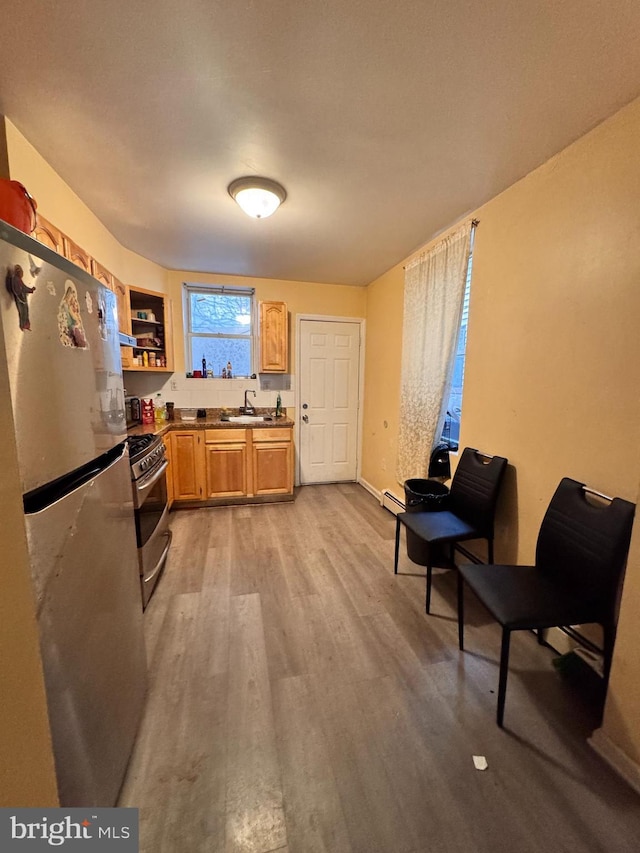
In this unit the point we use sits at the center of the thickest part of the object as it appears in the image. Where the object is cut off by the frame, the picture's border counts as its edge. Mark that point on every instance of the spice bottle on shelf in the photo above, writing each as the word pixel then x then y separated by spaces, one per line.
pixel 145 359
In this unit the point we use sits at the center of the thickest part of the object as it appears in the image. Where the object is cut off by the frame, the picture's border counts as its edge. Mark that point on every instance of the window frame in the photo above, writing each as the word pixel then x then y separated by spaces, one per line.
pixel 220 290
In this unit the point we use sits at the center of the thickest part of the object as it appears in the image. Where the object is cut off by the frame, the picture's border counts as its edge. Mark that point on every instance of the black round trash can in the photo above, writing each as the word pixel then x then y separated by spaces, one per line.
pixel 424 496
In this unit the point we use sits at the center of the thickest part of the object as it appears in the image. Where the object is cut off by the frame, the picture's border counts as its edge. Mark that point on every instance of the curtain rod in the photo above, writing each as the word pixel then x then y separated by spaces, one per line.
pixel 474 224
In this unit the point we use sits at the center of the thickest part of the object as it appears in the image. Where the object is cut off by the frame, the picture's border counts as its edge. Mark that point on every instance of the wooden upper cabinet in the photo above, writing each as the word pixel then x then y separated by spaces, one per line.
pixel 274 337
pixel 49 235
pixel 124 310
pixel 76 255
pixel 103 275
pixel 150 321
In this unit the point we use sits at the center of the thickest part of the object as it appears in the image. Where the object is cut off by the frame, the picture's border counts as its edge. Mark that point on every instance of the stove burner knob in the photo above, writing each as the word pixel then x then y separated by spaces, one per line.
pixel 143 464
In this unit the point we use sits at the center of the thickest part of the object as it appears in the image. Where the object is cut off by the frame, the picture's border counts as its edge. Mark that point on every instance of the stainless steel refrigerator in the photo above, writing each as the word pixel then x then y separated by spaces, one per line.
pixel 61 354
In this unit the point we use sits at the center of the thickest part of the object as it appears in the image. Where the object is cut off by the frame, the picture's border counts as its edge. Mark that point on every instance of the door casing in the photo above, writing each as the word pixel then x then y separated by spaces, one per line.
pixel 326 318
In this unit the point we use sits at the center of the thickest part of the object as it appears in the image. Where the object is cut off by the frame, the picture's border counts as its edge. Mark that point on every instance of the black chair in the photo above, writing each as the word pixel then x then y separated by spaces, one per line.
pixel 580 556
pixel 469 515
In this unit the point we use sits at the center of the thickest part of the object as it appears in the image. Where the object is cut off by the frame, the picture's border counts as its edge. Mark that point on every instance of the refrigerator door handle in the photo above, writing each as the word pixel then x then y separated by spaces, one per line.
pixel 158 566
pixel 44 496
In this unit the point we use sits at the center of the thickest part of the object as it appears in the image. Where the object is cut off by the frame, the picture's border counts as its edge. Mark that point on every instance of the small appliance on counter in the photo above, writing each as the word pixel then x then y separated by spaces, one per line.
pixel 133 411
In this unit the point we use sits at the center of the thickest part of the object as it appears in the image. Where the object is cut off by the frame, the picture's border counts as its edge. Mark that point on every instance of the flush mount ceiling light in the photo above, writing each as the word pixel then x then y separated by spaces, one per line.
pixel 258 197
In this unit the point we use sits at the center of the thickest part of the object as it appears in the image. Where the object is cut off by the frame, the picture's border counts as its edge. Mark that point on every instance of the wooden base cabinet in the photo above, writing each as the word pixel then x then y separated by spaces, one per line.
pixel 218 465
pixel 226 463
pixel 187 462
pixel 272 461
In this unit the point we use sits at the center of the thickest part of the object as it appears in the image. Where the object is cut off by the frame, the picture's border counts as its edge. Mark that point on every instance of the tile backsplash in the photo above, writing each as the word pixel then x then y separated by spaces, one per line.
pixel 211 393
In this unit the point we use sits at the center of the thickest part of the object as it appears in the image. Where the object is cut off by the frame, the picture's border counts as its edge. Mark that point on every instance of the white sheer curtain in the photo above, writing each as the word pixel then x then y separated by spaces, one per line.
pixel 433 294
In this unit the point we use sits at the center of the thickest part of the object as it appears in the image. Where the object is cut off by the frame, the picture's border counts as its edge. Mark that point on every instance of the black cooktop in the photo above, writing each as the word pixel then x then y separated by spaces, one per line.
pixel 140 444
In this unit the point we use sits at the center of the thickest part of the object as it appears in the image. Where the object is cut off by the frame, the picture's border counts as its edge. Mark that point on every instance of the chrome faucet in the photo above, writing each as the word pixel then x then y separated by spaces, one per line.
pixel 248 409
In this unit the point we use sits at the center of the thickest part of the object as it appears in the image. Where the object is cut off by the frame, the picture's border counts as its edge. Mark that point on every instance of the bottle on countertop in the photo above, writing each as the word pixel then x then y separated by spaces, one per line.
pixel 159 410
pixel 204 367
pixel 224 373
pixel 278 406
pixel 229 374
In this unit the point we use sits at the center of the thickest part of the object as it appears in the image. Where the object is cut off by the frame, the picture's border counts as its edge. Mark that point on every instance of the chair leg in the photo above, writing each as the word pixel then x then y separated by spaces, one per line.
pixel 429 572
pixel 395 563
pixel 504 670
pixel 460 612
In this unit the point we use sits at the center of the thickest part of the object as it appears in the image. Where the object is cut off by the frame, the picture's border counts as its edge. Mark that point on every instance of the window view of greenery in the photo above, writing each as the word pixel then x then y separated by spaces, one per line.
pixel 451 430
pixel 220 331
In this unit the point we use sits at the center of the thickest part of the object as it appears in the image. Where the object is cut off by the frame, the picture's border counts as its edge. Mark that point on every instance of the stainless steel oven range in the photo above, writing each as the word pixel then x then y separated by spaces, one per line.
pixel 148 474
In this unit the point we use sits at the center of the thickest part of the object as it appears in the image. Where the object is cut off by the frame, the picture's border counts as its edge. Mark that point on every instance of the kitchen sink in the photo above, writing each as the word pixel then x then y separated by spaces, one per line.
pixel 247 419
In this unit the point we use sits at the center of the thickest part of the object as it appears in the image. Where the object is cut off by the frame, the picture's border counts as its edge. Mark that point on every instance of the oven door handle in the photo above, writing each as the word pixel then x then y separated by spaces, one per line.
pixel 153 477
pixel 165 551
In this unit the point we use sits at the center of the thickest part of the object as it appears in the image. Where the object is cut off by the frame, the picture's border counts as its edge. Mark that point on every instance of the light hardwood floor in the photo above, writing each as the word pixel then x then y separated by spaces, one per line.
pixel 300 700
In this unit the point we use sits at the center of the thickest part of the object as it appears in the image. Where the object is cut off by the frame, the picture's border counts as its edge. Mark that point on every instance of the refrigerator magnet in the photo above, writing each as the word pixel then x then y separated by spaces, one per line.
pixel 70 328
pixel 20 291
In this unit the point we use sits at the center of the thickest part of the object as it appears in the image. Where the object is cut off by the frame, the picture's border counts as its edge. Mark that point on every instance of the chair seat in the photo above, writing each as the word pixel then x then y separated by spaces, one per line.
pixel 521 597
pixel 438 526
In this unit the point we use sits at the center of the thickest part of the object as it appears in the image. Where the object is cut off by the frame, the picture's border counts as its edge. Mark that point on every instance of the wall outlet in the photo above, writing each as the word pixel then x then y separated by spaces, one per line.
pixel 174 384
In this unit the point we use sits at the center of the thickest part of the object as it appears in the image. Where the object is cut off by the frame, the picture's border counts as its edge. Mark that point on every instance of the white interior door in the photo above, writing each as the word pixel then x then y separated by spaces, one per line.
pixel 329 392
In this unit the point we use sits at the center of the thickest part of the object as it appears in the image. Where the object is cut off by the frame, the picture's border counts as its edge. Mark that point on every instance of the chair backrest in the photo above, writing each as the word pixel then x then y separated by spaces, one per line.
pixel 584 545
pixel 475 488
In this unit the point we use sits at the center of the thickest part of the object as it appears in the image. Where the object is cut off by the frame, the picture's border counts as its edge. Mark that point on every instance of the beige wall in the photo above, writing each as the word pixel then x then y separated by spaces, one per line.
pixel 61 206
pixel 621 723
pixel 382 380
pixel 302 297
pixel 552 379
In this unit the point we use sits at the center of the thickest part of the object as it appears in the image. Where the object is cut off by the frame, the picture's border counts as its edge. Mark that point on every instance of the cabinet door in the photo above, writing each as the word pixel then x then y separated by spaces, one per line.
pixel 272 462
pixel 226 464
pixel 187 462
pixel 122 300
pixel 48 234
pixel 274 337
pixel 103 275
pixel 76 255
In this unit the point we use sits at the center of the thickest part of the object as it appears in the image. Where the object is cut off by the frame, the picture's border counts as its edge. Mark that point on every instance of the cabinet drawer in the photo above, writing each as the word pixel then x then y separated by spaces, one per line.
pixel 272 434
pixel 224 435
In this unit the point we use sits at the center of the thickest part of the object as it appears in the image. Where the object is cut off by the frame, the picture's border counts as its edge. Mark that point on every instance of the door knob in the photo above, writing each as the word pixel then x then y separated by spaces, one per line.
pixel 305 418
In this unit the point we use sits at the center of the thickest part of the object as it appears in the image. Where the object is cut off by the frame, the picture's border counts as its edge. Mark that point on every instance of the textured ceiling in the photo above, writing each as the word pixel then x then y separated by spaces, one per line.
pixel 384 120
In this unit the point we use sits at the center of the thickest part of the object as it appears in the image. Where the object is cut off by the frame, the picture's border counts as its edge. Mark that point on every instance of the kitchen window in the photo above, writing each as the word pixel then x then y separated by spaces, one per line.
pixel 451 429
pixel 219 327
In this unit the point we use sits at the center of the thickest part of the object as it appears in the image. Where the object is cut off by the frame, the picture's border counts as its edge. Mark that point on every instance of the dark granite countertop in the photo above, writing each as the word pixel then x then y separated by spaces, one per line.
pixel 213 420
